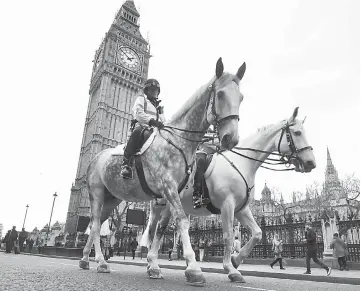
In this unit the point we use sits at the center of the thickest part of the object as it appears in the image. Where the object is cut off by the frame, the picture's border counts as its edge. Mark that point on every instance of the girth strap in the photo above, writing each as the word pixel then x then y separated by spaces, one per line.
pixel 144 184
pixel 248 189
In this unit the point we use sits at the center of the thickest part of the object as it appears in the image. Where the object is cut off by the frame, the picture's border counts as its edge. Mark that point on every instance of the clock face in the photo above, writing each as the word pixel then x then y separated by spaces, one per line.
pixel 128 58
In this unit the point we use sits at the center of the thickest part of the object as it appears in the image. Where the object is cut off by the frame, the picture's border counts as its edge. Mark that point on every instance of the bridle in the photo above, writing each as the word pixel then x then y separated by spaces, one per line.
pixel 288 157
pixel 211 109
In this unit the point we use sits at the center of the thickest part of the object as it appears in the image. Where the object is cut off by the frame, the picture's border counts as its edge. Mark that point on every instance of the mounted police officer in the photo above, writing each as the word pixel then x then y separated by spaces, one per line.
pixel 210 139
pixel 147 114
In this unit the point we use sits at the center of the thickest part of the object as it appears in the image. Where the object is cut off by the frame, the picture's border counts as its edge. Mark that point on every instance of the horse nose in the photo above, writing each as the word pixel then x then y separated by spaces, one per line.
pixel 310 165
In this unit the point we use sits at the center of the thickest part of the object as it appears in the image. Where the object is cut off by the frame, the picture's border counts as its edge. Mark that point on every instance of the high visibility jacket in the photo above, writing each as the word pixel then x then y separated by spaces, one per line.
pixel 144 111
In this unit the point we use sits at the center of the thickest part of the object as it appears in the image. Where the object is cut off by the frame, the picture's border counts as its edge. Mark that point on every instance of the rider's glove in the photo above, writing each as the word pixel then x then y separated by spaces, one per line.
pixel 156 123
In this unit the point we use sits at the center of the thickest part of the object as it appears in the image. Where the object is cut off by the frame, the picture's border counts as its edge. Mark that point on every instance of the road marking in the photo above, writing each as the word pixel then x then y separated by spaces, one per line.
pixel 259 289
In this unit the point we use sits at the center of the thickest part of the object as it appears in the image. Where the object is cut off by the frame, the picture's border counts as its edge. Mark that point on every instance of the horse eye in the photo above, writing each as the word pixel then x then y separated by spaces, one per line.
pixel 220 94
pixel 298 133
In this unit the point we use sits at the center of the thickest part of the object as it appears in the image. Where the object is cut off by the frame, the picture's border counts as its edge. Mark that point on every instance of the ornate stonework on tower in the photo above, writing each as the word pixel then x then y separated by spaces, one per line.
pixel 120 68
pixel 332 185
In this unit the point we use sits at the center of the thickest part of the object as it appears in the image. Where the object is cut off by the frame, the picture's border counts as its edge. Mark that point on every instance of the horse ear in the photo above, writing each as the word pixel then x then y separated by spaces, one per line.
pixel 219 68
pixel 241 71
pixel 294 115
pixel 295 112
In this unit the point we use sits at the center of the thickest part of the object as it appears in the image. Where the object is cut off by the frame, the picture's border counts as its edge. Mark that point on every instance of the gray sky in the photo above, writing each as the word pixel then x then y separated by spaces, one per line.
pixel 298 53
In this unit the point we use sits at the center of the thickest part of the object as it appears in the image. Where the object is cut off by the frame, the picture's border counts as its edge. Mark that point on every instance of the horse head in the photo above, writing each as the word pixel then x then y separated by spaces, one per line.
pixel 293 145
pixel 223 108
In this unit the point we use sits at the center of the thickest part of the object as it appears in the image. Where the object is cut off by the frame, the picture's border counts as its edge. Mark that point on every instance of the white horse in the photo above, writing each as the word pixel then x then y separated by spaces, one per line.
pixel 166 165
pixel 230 184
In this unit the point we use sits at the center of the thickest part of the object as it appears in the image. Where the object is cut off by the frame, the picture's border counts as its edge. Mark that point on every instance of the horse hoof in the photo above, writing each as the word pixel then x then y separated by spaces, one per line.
pixel 103 268
pixel 233 261
pixel 195 277
pixel 155 273
pixel 84 265
pixel 236 278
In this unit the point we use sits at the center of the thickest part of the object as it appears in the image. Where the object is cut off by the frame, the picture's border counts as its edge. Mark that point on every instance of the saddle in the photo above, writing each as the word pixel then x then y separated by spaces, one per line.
pixel 210 150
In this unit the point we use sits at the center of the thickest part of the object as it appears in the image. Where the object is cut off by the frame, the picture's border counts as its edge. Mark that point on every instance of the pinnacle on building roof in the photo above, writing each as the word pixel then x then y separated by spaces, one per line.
pixel 45 228
pixel 130 5
pixel 265 190
pixel 56 226
pixel 329 161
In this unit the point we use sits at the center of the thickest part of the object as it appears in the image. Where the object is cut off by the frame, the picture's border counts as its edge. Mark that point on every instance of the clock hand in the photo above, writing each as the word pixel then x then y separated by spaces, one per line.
pixel 125 53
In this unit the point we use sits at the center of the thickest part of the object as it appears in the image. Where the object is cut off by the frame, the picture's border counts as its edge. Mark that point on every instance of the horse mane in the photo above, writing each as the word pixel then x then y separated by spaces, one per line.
pixel 192 100
pixel 264 128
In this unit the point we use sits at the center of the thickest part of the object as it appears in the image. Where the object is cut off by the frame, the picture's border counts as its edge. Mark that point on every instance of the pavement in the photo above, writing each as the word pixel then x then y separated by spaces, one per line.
pixel 44 273
pixel 351 277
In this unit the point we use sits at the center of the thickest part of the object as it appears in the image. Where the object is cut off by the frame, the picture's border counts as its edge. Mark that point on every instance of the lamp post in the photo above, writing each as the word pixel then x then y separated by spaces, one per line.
pixel 26 212
pixel 51 214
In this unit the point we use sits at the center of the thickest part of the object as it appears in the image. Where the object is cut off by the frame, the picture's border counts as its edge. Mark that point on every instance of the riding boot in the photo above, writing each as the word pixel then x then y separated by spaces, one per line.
pixel 133 142
pixel 126 169
pixel 198 199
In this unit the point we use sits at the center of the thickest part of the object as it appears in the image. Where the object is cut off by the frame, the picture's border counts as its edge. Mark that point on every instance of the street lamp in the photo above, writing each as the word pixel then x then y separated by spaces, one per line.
pixel 26 212
pixel 51 214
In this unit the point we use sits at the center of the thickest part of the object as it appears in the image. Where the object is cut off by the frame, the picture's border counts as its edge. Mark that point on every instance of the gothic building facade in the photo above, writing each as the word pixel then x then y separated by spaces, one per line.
pixel 330 195
pixel 120 68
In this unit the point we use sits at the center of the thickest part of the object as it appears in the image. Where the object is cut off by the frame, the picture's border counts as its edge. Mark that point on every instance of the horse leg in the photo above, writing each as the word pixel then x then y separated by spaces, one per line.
pixel 193 273
pixel 110 202
pixel 246 218
pixel 96 195
pixel 227 216
pixel 84 262
pixel 154 216
pixel 153 269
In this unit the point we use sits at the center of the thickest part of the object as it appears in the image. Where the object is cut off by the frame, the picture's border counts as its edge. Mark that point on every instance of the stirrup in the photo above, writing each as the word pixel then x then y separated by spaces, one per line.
pixel 205 201
pixel 126 172
pixel 197 202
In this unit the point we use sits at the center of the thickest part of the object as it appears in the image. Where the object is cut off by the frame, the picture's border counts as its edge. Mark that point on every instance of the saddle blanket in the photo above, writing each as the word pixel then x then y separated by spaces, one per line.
pixel 119 150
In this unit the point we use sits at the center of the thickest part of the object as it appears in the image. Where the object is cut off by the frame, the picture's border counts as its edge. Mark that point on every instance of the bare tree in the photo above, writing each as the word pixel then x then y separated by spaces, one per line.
pixel 351 187
pixel 118 214
pixel 351 190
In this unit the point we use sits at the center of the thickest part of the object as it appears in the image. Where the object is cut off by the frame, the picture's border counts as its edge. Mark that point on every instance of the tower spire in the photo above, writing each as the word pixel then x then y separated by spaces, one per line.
pixel 329 161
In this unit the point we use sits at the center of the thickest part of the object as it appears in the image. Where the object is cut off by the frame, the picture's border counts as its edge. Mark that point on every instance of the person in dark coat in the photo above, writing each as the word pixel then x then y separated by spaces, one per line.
pixel 133 246
pixel 179 250
pixel 311 253
pixel 339 251
pixel 31 244
pixel 7 242
pixel 22 236
pixel 13 238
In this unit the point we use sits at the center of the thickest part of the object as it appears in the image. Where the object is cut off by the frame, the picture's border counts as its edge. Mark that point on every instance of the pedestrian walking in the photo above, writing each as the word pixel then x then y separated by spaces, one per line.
pixel 13 238
pixel 207 246
pixel 179 250
pixel 201 249
pixel 170 250
pixel 134 245
pixel 236 245
pixel 339 251
pixel 277 247
pixel 7 242
pixel 311 253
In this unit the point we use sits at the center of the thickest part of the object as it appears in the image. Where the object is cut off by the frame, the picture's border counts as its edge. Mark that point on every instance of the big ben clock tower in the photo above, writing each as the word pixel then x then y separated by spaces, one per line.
pixel 120 69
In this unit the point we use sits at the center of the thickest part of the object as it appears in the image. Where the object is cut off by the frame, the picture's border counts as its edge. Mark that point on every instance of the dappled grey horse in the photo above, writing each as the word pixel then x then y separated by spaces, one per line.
pixel 166 163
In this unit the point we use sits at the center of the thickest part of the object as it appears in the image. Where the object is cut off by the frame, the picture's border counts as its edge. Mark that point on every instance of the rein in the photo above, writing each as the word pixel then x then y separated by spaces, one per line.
pixel 279 162
pixel 284 158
